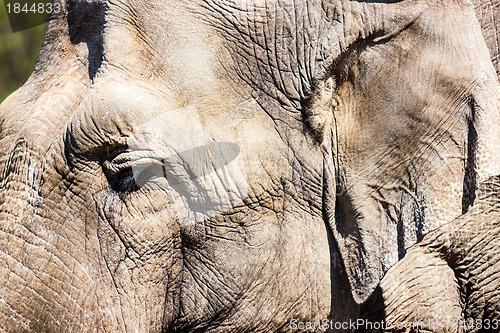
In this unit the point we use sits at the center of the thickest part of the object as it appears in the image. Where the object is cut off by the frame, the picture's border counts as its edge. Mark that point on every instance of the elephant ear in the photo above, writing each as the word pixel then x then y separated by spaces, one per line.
pixel 361 240
pixel 357 240
pixel 368 243
pixel 370 234
pixel 362 256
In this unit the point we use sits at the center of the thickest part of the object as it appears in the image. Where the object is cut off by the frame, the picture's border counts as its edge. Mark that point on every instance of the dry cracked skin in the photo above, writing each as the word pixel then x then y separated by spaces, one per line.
pixel 253 166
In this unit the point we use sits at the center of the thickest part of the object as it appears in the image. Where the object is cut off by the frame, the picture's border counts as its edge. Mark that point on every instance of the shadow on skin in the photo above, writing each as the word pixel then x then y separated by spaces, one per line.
pixel 88 28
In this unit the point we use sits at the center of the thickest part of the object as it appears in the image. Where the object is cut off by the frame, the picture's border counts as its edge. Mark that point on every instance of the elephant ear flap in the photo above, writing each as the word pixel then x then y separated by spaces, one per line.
pixel 367 251
pixel 483 160
pixel 361 266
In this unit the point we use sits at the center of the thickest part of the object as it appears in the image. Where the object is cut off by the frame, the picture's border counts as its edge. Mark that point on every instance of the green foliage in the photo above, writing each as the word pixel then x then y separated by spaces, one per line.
pixel 18 53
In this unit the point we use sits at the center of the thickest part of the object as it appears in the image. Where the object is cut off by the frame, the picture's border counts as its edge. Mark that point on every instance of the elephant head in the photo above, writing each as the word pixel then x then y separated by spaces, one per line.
pixel 228 166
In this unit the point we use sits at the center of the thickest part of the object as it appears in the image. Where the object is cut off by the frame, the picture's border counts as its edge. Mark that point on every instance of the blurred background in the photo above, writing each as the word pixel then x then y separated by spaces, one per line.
pixel 18 53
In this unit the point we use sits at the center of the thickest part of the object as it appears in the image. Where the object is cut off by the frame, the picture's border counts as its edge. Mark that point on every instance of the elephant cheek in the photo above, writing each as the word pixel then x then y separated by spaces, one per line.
pixel 140 240
pixel 140 233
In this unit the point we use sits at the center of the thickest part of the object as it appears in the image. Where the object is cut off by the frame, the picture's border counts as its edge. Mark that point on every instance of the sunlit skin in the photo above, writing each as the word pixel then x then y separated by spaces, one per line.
pixel 230 166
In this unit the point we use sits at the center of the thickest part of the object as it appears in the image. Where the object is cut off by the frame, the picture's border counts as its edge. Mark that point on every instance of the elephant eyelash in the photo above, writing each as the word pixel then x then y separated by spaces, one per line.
pixel 123 181
pixel 127 172
pixel 132 176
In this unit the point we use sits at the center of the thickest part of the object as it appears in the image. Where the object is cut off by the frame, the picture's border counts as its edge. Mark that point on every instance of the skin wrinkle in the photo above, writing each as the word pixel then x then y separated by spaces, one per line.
pixel 112 273
pixel 486 12
pixel 255 42
pixel 268 61
pixel 466 249
pixel 55 292
pixel 291 227
pixel 218 313
pixel 220 279
pixel 19 317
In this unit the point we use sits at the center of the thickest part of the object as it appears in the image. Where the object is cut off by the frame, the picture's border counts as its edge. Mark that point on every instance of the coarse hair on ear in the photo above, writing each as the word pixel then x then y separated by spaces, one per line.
pixel 320 107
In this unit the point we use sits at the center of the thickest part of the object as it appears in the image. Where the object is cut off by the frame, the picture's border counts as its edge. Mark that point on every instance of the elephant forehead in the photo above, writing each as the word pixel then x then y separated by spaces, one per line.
pixel 159 49
pixel 198 45
pixel 280 48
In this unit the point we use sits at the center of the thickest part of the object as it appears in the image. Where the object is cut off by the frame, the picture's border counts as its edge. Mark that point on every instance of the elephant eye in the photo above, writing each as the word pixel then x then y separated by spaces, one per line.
pixel 123 181
pixel 128 171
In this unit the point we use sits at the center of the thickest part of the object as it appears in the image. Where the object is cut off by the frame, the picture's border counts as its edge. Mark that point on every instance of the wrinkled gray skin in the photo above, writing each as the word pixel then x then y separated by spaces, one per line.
pixel 449 282
pixel 295 149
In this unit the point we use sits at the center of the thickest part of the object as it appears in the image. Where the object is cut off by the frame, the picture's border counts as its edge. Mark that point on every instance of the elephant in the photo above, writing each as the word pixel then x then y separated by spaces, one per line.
pixel 237 165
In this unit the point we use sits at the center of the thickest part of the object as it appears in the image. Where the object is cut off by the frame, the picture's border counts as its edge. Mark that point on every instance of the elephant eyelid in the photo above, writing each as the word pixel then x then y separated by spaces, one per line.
pixel 125 161
pixel 130 171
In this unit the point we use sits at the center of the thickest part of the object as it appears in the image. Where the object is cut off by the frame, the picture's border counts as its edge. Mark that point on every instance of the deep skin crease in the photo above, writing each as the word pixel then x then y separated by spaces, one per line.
pixel 349 148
